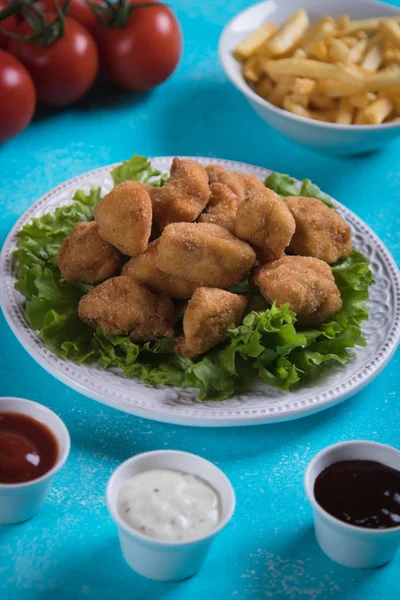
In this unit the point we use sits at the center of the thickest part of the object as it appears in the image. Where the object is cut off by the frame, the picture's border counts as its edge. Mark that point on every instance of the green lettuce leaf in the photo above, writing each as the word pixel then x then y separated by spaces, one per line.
pixel 268 343
pixel 284 185
pixel 312 191
pixel 139 168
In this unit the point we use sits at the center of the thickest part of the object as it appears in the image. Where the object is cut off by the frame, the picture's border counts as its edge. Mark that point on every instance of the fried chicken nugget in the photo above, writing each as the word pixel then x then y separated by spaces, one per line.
pixel 122 306
pixel 263 219
pixel 320 231
pixel 239 183
pixel 306 284
pixel 222 207
pixel 124 217
pixel 206 320
pixel 208 255
pixel 234 181
pixel 143 269
pixel 251 182
pixel 85 257
pixel 184 196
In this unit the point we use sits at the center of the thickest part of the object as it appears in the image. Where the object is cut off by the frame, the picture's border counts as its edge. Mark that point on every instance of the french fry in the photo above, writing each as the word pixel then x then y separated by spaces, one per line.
pixel 322 30
pixel 360 118
pixel 252 69
pixel 378 111
pixel 319 51
pixel 338 51
pixel 342 22
pixel 337 70
pixel 391 55
pixel 290 34
pixel 394 120
pixel 393 92
pixel 304 67
pixel 264 87
pixel 357 52
pixel 367 25
pixel 350 41
pixel 301 89
pixel 382 80
pixel 278 93
pixel 345 112
pixel 290 105
pixel 362 100
pixel 337 89
pixel 253 42
pixel 373 58
pixel 299 53
pixel 303 85
pixel 321 101
pixel 390 31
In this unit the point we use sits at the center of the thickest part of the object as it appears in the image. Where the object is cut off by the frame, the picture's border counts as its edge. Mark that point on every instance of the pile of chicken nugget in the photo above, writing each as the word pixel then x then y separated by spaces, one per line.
pixel 206 230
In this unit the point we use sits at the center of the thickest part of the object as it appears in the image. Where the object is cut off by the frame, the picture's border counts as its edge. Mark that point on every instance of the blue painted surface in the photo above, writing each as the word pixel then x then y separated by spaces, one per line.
pixel 70 550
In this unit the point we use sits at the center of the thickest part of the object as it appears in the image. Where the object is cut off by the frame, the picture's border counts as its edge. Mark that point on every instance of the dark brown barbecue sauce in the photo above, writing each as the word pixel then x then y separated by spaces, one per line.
pixel 360 492
pixel 28 449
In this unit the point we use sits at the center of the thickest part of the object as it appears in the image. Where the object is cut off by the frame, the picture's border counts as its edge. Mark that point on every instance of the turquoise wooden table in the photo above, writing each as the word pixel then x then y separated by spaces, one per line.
pixel 70 550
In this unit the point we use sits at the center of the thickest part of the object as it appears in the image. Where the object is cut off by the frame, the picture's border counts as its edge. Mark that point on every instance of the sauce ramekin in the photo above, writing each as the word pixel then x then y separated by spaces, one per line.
pixel 158 559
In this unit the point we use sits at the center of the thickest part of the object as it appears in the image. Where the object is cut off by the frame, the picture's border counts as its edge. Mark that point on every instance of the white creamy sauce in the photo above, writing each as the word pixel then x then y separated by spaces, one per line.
pixel 169 505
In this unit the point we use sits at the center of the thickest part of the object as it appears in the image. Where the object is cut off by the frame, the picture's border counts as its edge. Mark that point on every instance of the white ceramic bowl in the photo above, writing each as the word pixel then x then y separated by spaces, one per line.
pixel 21 501
pixel 157 559
pixel 329 137
pixel 350 545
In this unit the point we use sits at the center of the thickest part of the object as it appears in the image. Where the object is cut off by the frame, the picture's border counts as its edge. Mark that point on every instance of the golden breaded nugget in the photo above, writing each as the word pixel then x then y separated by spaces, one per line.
pixel 251 182
pixel 206 320
pixel 184 196
pixel 320 231
pixel 208 255
pixel 123 306
pixel 124 217
pixel 222 207
pixel 84 256
pixel 143 269
pixel 305 283
pixel 234 181
pixel 264 220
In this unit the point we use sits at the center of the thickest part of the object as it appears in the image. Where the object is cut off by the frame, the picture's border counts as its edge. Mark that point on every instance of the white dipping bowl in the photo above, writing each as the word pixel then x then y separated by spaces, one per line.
pixel 350 545
pixel 328 137
pixel 158 559
pixel 21 501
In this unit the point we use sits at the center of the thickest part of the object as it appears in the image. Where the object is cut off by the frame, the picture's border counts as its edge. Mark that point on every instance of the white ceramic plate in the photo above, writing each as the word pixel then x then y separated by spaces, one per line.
pixel 263 404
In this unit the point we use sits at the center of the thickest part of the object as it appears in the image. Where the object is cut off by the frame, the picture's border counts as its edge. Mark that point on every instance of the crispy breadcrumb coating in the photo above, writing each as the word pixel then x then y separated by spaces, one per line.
pixel 234 181
pixel 206 320
pixel 306 284
pixel 143 269
pixel 85 257
pixel 124 217
pixel 263 219
pixel 320 231
pixel 122 306
pixel 208 255
pixel 222 207
pixel 184 196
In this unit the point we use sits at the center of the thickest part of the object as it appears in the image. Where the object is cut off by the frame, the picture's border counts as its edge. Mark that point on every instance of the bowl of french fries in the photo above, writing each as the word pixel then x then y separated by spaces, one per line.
pixel 325 74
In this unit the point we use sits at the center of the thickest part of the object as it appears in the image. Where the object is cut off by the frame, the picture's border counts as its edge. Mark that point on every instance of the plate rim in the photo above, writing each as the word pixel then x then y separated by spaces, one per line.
pixel 337 392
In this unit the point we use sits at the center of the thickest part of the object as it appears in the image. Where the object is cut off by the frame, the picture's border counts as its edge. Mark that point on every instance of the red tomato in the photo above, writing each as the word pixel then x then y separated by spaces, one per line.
pixel 142 53
pixel 63 71
pixel 8 24
pixel 17 97
pixel 78 10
